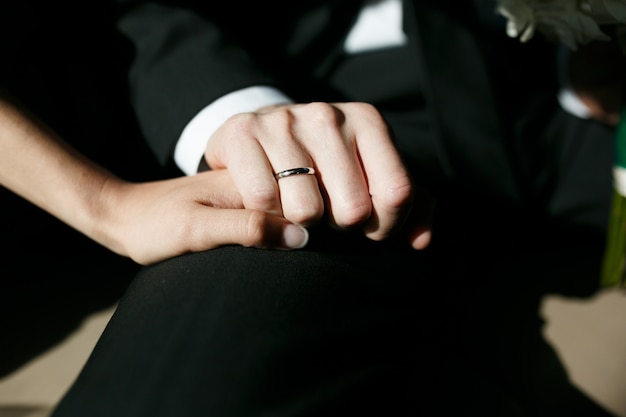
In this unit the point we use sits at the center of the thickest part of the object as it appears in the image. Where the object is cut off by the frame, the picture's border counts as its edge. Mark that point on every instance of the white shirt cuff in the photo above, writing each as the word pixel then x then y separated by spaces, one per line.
pixel 192 143
pixel 570 102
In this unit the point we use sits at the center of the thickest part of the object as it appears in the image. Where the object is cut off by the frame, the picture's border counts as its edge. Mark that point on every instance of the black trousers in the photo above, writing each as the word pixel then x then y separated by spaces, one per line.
pixel 346 327
pixel 239 331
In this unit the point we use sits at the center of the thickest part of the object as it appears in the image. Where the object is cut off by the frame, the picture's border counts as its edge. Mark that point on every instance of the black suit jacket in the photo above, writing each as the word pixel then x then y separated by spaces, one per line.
pixel 454 96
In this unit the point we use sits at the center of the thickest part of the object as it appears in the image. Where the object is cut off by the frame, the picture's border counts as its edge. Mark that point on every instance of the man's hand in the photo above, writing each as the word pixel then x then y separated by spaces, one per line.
pixel 360 179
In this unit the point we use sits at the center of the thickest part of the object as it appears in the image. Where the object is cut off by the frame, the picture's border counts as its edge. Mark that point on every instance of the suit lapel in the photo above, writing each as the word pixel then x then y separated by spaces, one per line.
pixel 456 85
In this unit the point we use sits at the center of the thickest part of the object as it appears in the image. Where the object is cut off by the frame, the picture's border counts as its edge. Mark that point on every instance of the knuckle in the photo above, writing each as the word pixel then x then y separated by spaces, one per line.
pixel 244 127
pixel 397 192
pixel 282 117
pixel 231 138
pixel 256 232
pixel 304 215
pixel 322 113
pixel 241 122
pixel 353 213
pixel 261 195
pixel 368 110
pixel 365 107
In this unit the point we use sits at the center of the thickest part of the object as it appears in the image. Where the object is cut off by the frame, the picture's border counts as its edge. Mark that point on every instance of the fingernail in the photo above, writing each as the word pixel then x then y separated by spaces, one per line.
pixel 295 237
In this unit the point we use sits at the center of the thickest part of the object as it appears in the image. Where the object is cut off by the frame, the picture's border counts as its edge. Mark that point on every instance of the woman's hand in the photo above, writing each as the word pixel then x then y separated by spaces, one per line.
pixel 152 221
pixel 147 222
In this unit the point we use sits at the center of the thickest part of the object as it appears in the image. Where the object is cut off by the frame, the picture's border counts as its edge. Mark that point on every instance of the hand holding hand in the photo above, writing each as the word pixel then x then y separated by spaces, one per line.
pixel 360 179
pixel 153 221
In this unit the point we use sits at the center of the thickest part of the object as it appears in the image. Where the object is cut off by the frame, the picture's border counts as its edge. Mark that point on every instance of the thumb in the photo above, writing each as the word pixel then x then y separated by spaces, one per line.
pixel 254 228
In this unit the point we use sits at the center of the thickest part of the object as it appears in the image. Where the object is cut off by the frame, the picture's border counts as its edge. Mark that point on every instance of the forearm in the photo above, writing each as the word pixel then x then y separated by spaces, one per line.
pixel 40 167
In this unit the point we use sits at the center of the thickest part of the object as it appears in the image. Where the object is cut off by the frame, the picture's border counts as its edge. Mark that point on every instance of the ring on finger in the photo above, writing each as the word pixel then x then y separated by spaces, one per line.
pixel 294 171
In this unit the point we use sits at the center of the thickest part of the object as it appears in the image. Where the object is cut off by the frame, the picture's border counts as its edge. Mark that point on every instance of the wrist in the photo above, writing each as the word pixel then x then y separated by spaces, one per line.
pixel 105 213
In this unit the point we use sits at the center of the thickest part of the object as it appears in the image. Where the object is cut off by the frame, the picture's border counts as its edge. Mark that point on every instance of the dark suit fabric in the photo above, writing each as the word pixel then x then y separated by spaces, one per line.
pixel 349 327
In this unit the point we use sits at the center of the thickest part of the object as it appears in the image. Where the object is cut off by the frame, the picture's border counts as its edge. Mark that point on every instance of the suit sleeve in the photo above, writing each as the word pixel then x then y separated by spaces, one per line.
pixel 182 62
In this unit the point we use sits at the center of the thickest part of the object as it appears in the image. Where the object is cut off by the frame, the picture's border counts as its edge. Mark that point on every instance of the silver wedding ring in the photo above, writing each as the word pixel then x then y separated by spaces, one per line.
pixel 294 171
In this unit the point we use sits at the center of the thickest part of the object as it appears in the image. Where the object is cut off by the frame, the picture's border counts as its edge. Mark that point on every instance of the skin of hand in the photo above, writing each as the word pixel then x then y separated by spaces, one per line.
pixel 360 179
pixel 156 220
pixel 147 222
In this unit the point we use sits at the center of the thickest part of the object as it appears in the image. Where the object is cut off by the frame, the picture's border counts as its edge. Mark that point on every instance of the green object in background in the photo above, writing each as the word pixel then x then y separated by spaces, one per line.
pixel 614 263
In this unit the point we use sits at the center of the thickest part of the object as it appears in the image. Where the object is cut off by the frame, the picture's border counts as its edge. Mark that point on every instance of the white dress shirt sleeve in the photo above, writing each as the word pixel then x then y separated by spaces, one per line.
pixel 190 147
